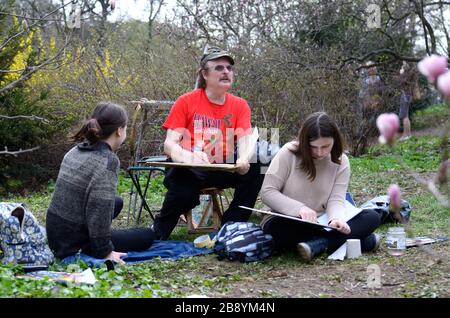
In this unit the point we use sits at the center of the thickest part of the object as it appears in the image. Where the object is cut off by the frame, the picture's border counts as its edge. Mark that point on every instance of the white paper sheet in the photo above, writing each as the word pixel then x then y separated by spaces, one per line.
pixel 339 254
pixel 350 212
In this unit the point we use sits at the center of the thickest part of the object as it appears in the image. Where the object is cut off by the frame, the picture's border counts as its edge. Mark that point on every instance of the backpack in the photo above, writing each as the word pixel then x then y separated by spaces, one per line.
pixel 22 239
pixel 381 204
pixel 243 241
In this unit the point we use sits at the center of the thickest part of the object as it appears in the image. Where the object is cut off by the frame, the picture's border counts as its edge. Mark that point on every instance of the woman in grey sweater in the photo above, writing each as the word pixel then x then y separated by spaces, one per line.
pixel 84 203
pixel 306 178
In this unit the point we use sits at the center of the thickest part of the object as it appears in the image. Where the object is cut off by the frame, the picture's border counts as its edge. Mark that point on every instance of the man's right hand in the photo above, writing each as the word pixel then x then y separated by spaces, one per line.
pixel 199 157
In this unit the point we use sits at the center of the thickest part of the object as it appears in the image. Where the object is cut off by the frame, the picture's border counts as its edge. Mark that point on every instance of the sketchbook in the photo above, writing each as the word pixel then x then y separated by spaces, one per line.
pixel 322 221
pixel 85 277
pixel 247 153
pixel 204 166
pixel 289 217
pixel 423 240
pixel 350 212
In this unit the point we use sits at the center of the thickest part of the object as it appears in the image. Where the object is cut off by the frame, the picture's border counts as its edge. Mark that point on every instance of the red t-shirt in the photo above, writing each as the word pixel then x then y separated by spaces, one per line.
pixel 210 127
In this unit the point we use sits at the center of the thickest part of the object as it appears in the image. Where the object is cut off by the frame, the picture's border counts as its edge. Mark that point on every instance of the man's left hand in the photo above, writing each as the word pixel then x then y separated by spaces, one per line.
pixel 242 166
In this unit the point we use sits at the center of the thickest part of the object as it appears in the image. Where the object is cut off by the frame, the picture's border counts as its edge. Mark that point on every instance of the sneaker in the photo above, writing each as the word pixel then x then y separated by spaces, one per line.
pixel 372 243
pixel 377 242
pixel 182 221
pixel 305 252
pixel 308 250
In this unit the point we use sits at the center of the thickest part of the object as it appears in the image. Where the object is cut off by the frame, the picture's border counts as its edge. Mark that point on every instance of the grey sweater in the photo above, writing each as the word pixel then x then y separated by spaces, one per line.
pixel 81 210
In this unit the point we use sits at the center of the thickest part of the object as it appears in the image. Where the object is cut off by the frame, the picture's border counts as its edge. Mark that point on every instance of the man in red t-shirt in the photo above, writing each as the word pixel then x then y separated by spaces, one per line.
pixel 204 126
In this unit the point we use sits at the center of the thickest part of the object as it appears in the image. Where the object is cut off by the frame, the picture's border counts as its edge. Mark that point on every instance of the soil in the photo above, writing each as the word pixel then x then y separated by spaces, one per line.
pixel 420 272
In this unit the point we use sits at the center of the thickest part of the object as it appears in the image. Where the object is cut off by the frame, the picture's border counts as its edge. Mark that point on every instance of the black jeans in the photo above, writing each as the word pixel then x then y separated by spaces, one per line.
pixel 128 240
pixel 288 233
pixel 183 191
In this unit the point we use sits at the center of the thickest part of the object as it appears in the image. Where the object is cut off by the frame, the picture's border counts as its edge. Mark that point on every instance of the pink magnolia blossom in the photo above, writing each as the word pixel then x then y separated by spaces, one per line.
pixel 388 125
pixel 394 197
pixel 433 66
pixel 443 84
pixel 113 4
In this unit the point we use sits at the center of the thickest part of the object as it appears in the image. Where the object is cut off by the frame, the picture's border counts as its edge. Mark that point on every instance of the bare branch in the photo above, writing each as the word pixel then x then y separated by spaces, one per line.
pixel 427 28
pixel 14 71
pixel 197 19
pixel 31 117
pixel 32 25
pixel 436 3
pixel 152 16
pixel 6 152
pixel 382 51
pixel 28 18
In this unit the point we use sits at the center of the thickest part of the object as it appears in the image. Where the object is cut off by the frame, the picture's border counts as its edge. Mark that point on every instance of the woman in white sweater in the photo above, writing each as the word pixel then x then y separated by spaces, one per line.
pixel 307 177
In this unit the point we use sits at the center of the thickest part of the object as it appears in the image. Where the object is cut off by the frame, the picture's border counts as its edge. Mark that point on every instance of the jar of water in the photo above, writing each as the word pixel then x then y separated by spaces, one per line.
pixel 396 241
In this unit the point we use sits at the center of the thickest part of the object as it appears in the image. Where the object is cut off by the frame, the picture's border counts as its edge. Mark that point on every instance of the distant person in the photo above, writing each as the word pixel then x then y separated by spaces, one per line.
pixel 407 80
pixel 369 105
pixel 371 92
pixel 203 127
pixel 307 178
pixel 84 203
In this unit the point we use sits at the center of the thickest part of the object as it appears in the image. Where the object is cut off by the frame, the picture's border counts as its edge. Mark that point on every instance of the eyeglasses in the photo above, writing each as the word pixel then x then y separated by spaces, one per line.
pixel 220 68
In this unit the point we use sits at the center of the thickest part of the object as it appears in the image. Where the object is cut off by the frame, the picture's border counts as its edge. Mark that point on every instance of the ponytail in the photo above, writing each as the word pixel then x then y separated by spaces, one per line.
pixel 104 121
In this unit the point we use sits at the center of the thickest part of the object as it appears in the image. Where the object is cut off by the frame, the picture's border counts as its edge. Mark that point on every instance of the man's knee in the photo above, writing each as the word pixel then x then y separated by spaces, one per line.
pixel 184 197
pixel 256 172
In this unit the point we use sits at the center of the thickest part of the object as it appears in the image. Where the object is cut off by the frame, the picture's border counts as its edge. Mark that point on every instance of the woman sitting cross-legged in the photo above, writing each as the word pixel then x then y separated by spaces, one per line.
pixel 307 177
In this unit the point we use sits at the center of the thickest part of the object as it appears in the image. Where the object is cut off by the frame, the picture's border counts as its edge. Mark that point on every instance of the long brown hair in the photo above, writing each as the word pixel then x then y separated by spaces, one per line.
pixel 201 82
pixel 316 126
pixel 104 121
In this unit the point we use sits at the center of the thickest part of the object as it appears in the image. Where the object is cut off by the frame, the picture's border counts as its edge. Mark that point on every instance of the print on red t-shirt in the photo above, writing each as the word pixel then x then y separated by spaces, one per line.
pixel 210 127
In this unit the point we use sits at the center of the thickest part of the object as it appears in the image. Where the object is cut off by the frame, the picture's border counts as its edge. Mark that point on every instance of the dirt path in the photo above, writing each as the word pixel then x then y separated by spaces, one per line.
pixel 418 273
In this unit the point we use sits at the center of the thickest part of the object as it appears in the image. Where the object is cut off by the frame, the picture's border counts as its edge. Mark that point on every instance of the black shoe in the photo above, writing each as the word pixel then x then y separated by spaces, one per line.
pixel 158 234
pixel 308 250
pixel 371 243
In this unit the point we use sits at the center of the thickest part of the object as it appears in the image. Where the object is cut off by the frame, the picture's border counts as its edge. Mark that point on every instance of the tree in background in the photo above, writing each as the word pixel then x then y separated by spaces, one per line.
pixel 302 56
pixel 23 55
pixel 293 58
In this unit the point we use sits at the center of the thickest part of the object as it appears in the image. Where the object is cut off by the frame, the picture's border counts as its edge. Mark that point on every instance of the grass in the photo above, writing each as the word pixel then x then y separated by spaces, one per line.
pixel 436 114
pixel 371 176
